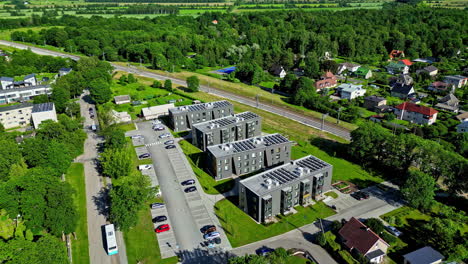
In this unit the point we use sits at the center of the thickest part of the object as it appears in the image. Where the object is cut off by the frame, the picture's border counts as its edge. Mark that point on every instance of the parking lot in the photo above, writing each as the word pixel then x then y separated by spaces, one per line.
pixel 167 242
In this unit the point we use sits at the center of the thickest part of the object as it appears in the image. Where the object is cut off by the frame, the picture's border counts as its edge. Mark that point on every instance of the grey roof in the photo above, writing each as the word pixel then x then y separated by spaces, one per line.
pixel 430 68
pixel 456 77
pixel 293 171
pixel 7 79
pixel 349 65
pixel 65 69
pixel 13 107
pixel 374 98
pixel 449 99
pixel 120 98
pixel 200 107
pixel 29 76
pixel 425 255
pixel 374 254
pixel 43 107
pixel 222 150
pixel 402 88
pixel 225 121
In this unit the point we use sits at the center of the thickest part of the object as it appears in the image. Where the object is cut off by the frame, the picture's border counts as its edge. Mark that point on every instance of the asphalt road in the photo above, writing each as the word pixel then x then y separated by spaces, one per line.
pixel 309 121
pixel 96 198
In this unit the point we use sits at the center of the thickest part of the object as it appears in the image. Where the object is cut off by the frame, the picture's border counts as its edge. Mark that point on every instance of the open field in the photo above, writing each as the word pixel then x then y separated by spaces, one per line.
pixel 80 246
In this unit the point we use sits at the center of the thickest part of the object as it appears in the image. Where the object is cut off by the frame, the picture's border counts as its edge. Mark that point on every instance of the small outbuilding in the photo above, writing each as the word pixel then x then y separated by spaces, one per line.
pixel 122 99
pixel 425 255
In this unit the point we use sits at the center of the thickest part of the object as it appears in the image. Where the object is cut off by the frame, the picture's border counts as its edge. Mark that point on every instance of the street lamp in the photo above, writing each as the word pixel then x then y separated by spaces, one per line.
pixel 323 120
pixel 339 111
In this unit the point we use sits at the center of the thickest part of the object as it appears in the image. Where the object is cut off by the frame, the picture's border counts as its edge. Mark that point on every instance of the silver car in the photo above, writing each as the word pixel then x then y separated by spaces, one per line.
pixel 165 135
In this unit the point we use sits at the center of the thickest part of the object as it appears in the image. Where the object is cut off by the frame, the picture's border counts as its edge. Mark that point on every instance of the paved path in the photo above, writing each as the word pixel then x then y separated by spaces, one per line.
pixel 96 200
pixel 306 120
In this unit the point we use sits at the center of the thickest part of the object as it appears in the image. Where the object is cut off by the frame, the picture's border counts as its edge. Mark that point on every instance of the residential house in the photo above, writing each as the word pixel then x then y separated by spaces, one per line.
pixel 279 190
pixel 248 155
pixel 462 127
pixel 402 91
pixel 405 62
pixel 430 70
pixel 183 117
pixel 350 67
pixel 397 67
pixel 448 103
pixel 226 129
pixel 425 255
pixel 278 70
pixel 356 236
pixel 327 80
pixel 120 117
pixel 6 82
pixel 404 79
pixel 30 80
pixel 154 112
pixel 64 71
pixel 371 102
pixel 363 72
pixel 438 86
pixel 456 81
pixel 42 112
pixel 122 99
pixel 16 115
pixel 395 54
pixel 462 117
pixel 23 94
pixel 351 91
pixel 414 113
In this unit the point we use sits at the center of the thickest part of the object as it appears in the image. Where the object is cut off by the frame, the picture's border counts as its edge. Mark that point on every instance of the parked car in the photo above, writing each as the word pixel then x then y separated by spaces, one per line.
pixel 144 156
pixel 170 147
pixel 145 167
pixel 217 240
pixel 169 142
pixel 190 189
pixel 165 135
pixel 394 231
pixel 136 136
pixel 211 235
pixel 205 229
pixel 157 205
pixel 263 251
pixel 160 218
pixel 188 182
pixel 162 228
pixel 360 195
pixel 158 128
pixel 156 122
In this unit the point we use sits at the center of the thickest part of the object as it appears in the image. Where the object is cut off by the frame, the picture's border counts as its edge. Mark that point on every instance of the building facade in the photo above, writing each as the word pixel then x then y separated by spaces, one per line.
pixel 278 190
pixel 247 156
pixel 227 129
pixel 456 81
pixel 183 117
pixel 23 94
pixel 16 115
pixel 371 102
pixel 351 91
pixel 42 112
pixel 414 113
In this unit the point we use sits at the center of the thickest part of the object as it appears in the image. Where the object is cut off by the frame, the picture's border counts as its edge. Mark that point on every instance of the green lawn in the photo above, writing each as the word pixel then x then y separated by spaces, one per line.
pixel 297 260
pixel 136 161
pixel 210 186
pixel 405 213
pixel 75 176
pixel 331 194
pixel 241 229
pixel 127 127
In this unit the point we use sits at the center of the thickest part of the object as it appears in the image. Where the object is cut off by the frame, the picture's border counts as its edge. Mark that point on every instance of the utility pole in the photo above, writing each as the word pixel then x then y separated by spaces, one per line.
pixel 256 99
pixel 323 120
pixel 339 111
pixel 140 61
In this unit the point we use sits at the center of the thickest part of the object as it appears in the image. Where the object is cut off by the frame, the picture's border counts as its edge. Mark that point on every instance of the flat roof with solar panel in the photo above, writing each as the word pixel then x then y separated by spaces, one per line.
pixel 200 107
pixel 246 145
pixel 43 107
pixel 225 121
pixel 283 175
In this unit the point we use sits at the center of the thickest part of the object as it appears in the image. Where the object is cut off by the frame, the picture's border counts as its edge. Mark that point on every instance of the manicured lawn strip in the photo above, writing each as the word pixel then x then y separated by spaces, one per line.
pixel 331 194
pixel 127 127
pixel 141 243
pixel 210 186
pixel 297 260
pixel 80 247
pixel 405 213
pixel 136 161
pixel 242 230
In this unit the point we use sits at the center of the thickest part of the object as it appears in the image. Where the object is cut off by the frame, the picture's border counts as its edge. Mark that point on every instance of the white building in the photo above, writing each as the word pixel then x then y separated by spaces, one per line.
pixel 23 94
pixel 456 81
pixel 154 112
pixel 16 115
pixel 351 91
pixel 42 112
pixel 6 82
pixel 414 113
pixel 122 99
pixel 30 80
pixel 121 117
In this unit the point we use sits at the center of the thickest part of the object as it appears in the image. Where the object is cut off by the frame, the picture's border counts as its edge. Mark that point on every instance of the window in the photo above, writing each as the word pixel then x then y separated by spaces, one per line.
pixel 181 122
pixel 253 155
pixel 254 161
pixel 239 158
pixel 226 168
pixel 225 161
pixel 277 156
pixel 278 150
pixel 246 170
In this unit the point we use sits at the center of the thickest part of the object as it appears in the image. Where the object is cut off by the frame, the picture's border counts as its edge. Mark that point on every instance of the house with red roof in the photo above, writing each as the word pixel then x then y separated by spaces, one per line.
pixel 415 113
pixel 406 62
pixel 356 236
pixel 396 54
pixel 327 80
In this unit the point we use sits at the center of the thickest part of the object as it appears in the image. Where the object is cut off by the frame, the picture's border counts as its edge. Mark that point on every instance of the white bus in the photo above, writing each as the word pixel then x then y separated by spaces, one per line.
pixel 111 241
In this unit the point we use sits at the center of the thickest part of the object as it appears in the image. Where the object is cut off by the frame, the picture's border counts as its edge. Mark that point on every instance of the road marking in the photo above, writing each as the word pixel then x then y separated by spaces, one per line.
pixel 154 143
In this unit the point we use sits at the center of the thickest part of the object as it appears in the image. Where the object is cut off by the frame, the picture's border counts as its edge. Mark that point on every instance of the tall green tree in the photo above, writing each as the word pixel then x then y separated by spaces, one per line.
pixel 100 91
pixel 9 155
pixel 116 163
pixel 419 190
pixel 168 85
pixel 60 96
pixel 193 84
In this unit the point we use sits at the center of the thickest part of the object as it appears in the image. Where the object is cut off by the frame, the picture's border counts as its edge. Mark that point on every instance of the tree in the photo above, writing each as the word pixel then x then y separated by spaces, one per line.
pixel 168 85
pixel 321 239
pixel 116 163
pixel 58 158
pixel 100 91
pixel 156 84
pixel 123 80
pixel 9 155
pixel 287 83
pixel 419 190
pixel 114 138
pixel 131 78
pixel 40 99
pixel 72 109
pixel 2 128
pixel 375 225
pixel 60 97
pixel 312 66
pixel 193 84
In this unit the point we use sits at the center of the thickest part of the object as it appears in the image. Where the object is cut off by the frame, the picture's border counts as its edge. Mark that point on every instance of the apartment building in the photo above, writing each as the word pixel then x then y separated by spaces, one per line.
pixel 42 112
pixel 227 129
pixel 414 113
pixel 248 155
pixel 16 115
pixel 23 94
pixel 279 190
pixel 183 117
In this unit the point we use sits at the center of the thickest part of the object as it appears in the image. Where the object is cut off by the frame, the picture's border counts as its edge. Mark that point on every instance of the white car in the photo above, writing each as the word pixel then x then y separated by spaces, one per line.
pixel 394 231
pixel 211 235
pixel 137 136
pixel 145 167
pixel 165 135
pixel 156 122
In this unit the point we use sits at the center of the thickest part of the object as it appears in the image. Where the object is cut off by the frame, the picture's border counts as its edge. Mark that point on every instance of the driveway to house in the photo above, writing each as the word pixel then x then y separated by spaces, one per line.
pixel 96 196
pixel 306 120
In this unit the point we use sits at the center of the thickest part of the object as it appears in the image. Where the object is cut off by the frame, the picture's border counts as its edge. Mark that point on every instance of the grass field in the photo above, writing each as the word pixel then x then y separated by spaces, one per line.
pixel 80 246
pixel 242 230
pixel 331 194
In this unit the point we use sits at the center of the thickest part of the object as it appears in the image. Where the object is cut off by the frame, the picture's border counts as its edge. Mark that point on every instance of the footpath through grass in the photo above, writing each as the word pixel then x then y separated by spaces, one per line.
pixel 241 229
pixel 80 246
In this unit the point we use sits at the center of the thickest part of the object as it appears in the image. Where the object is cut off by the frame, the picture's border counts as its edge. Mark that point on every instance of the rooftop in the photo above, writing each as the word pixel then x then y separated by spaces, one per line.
pixel 43 107
pixel 349 87
pixel 456 77
pixel 222 150
pixel 65 69
pixel 293 171
pixel 374 98
pixel 120 98
pixel 23 89
pixel 406 62
pixel 410 107
pixel 14 107
pixel 430 68
pixel 425 255
pixel 225 121
pixel 357 235
pixel 7 79
pixel 200 107
pixel 29 76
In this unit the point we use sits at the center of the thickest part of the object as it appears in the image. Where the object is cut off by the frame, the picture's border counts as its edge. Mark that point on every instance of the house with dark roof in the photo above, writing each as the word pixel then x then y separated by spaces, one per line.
pixel 64 71
pixel 363 72
pixel 462 127
pixel 404 79
pixel 448 103
pixel 430 70
pixel 30 80
pixel 414 113
pixel 278 70
pixel 402 91
pixel 6 82
pixel 356 236
pixel 425 255
pixel 42 112
pixel 438 86
pixel 371 102
pixel 327 80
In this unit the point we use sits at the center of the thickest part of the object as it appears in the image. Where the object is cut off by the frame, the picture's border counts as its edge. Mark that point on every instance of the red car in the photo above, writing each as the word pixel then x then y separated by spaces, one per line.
pixel 162 228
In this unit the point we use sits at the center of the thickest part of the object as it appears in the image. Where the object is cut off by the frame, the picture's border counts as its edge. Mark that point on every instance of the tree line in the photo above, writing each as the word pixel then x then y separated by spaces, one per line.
pixel 140 9
pixel 23 62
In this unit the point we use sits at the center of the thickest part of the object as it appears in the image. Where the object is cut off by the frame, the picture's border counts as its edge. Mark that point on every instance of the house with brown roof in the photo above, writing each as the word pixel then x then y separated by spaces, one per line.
pixel 327 80
pixel 430 70
pixel 356 236
pixel 394 54
pixel 438 86
pixel 448 103
pixel 414 113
